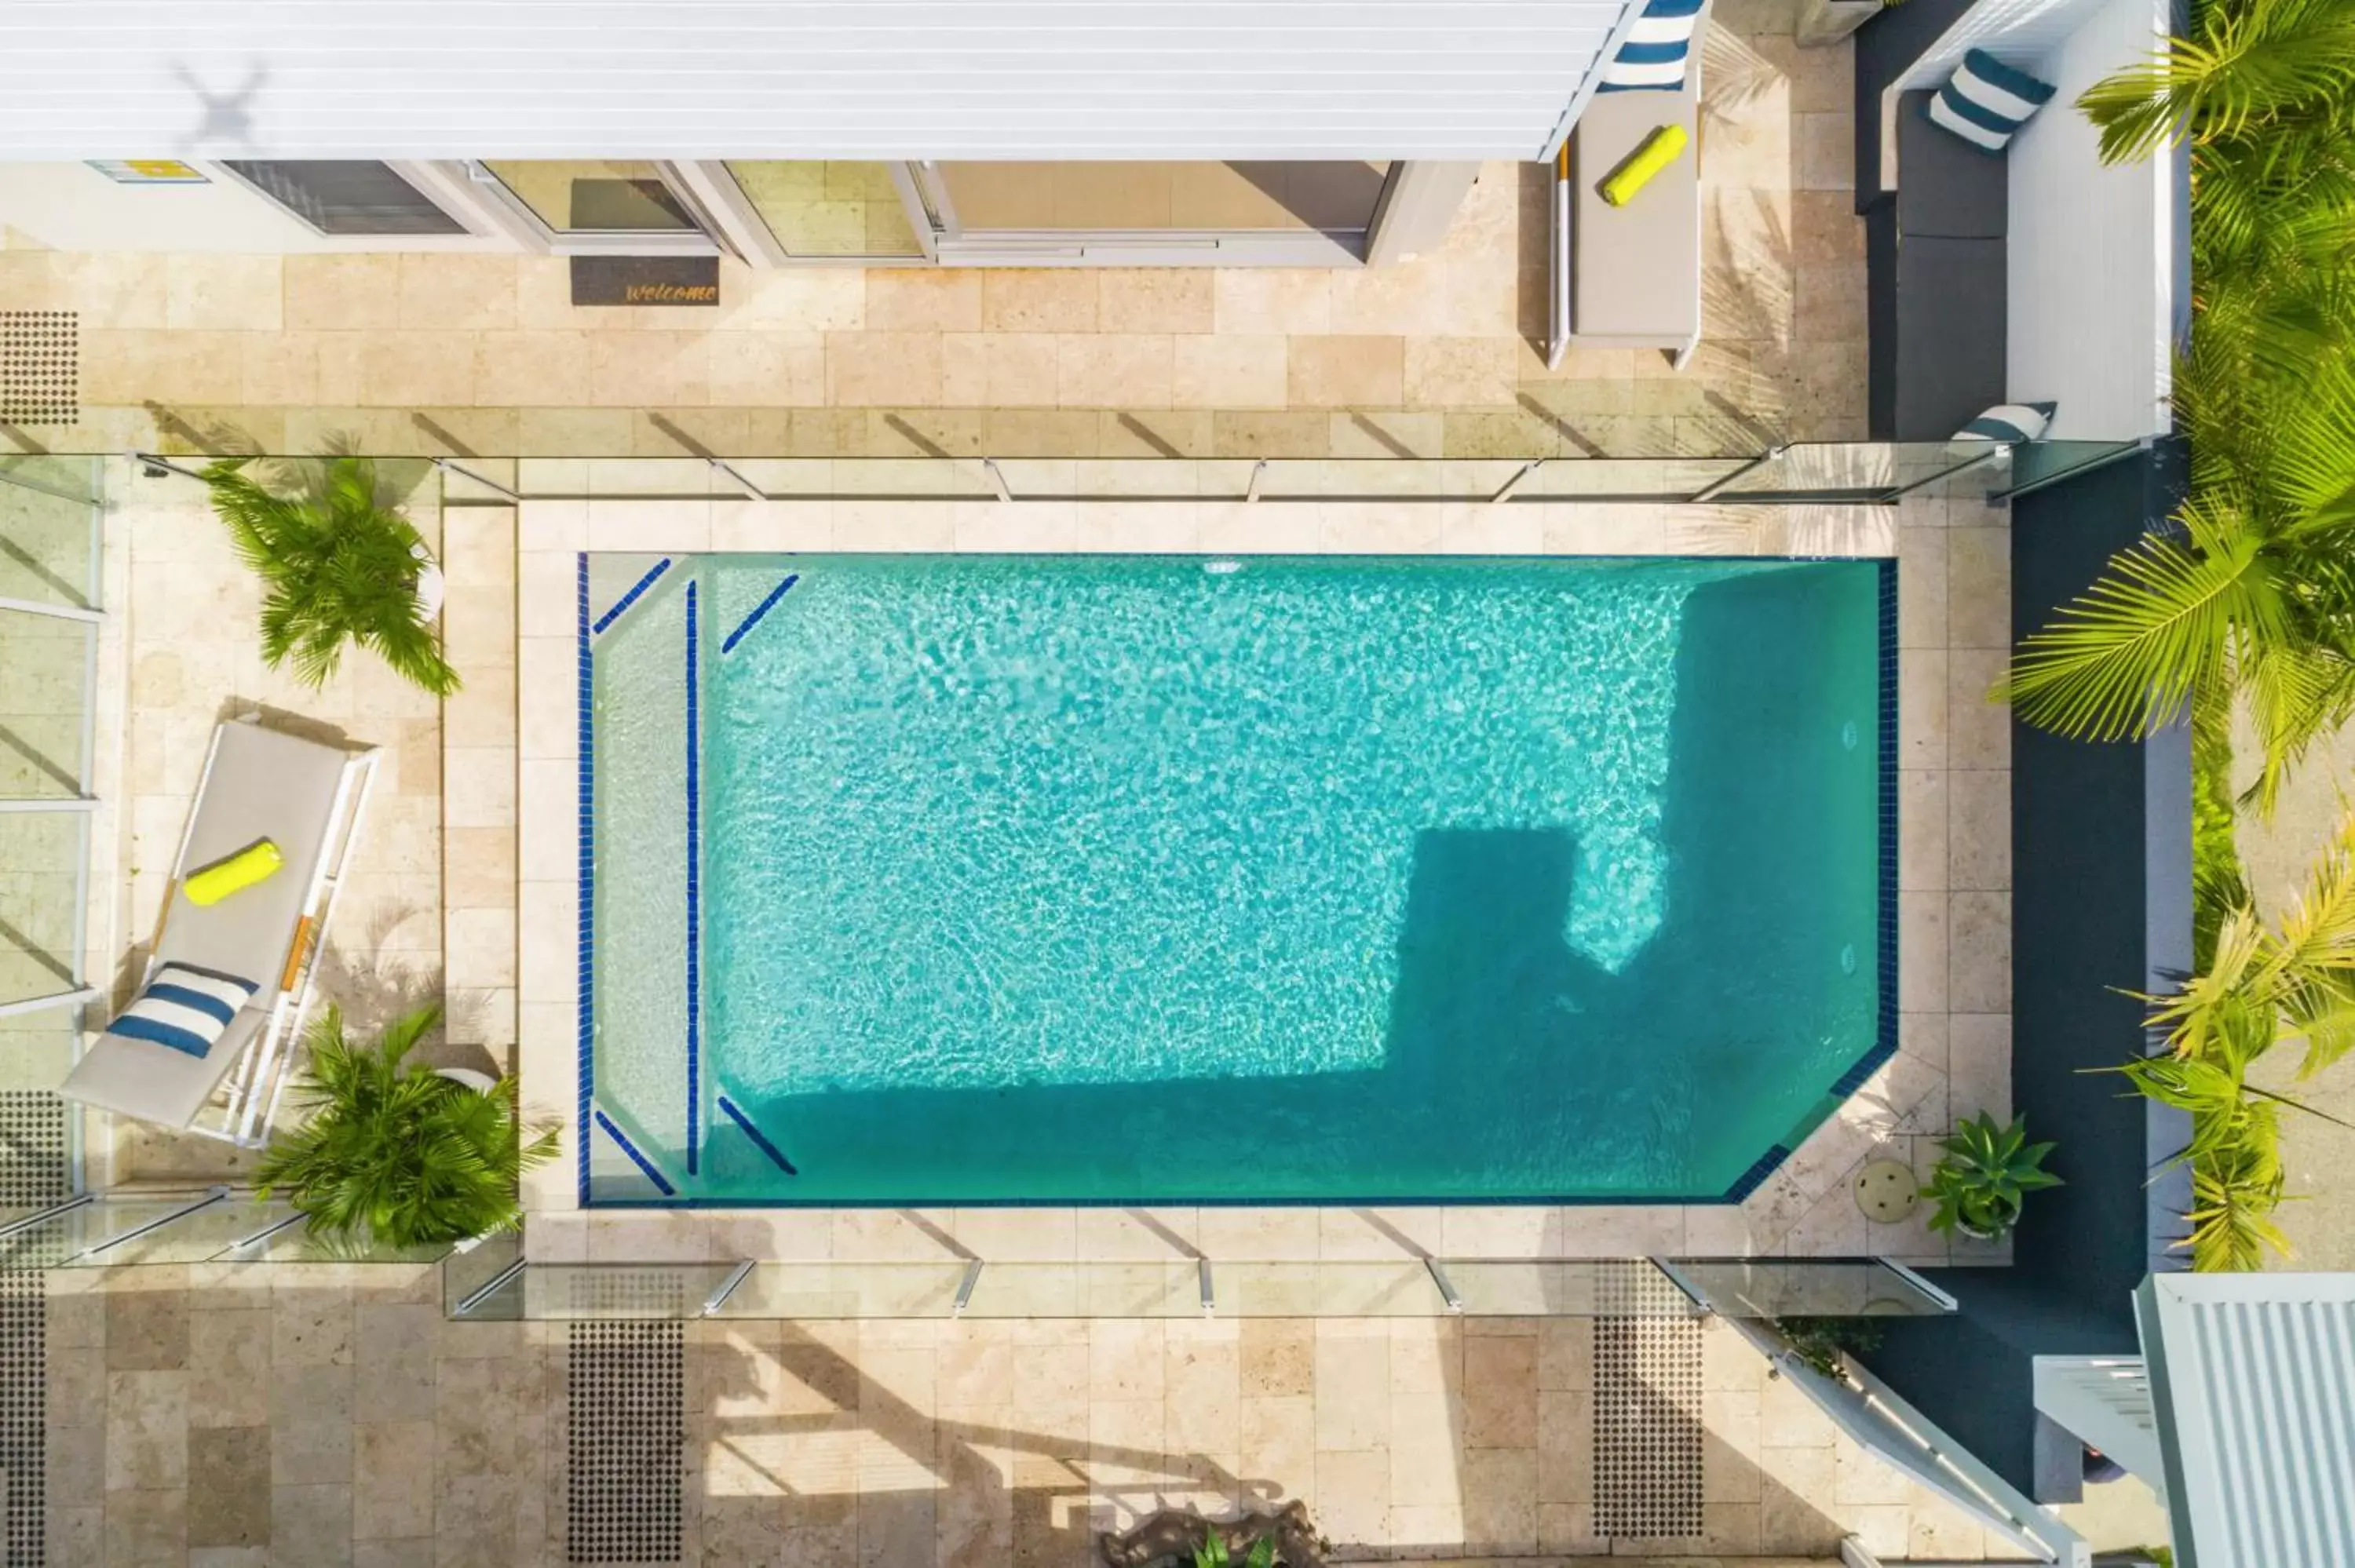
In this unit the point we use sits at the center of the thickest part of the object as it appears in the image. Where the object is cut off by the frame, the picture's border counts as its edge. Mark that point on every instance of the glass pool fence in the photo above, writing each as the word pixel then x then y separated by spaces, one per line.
pixel 981 1290
pixel 1793 473
pixel 490 1280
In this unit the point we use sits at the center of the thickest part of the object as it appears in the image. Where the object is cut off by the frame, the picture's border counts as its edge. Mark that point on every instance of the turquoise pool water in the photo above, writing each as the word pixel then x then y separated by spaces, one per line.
pixel 1092 879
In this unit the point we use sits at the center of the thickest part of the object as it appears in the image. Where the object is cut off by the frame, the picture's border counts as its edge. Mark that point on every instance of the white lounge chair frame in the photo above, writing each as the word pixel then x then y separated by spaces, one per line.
pixel 1574 318
pixel 260 1081
pixel 242 1111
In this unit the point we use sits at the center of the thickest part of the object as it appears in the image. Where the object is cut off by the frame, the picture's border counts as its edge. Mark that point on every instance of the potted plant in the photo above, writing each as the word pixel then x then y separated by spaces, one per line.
pixel 337 566
pixel 1821 1343
pixel 1979 1182
pixel 1825 22
pixel 403 1156
pixel 1178 1538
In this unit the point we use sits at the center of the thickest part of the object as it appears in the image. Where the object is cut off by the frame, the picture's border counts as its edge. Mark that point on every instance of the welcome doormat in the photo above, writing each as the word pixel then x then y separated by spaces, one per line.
pixel 646 279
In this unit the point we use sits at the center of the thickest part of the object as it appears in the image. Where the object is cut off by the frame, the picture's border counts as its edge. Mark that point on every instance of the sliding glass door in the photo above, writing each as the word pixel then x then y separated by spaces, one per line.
pixel 973 213
pixel 836 211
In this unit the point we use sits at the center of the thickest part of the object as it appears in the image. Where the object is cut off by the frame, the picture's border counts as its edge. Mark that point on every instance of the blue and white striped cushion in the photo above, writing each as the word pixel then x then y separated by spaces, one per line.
pixel 1654 53
pixel 183 1008
pixel 1986 101
pixel 2009 422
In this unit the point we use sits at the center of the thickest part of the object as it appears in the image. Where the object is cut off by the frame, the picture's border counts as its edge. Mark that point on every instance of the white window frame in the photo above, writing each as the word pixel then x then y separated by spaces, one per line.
pixel 715 193
pixel 425 179
pixel 501 211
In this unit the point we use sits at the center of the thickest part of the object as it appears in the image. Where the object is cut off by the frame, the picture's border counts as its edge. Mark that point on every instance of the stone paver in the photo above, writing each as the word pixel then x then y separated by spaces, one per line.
pixel 386 1434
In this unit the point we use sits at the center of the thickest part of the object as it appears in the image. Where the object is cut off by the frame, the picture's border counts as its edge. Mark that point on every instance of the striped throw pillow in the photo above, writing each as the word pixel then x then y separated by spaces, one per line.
pixel 1653 56
pixel 184 1009
pixel 2009 422
pixel 1986 101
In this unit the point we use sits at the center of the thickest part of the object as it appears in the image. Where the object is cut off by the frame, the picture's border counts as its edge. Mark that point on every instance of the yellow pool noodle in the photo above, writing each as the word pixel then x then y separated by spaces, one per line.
pixel 255 862
pixel 1655 152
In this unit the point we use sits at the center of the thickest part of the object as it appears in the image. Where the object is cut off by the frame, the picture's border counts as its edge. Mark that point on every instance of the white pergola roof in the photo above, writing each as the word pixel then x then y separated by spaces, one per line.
pixel 1238 79
pixel 2253 1380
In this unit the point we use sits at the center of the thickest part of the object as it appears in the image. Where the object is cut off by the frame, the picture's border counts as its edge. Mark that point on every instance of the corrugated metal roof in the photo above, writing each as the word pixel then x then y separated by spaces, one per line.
pixel 2254 1375
pixel 794 78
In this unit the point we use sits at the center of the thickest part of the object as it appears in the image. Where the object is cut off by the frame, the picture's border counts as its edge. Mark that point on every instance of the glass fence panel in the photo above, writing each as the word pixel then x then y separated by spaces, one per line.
pixel 2039 462
pixel 41 917
pixel 1580 1288
pixel 1625 479
pixel 1811 1287
pixel 49 530
pixel 583 1292
pixel 44 701
pixel 1404 479
pixel 641 477
pixel 846 1290
pixel 1820 473
pixel 37 1050
pixel 947 478
pixel 1849 471
pixel 1402 1290
pixel 469 1272
pixel 1143 1289
pixel 65 1238
pixel 297 1244
pixel 193 1237
pixel 786 478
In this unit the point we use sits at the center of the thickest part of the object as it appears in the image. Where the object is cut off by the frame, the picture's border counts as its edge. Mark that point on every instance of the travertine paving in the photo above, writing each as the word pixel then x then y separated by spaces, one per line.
pixel 308 1415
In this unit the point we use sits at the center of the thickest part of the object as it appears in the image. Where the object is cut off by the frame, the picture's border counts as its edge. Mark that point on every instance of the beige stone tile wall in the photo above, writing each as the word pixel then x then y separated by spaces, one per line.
pixel 1439 356
pixel 312 1415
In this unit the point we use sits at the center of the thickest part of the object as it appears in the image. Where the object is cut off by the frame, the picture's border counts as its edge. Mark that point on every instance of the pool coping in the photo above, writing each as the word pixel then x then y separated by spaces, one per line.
pixel 1896 1093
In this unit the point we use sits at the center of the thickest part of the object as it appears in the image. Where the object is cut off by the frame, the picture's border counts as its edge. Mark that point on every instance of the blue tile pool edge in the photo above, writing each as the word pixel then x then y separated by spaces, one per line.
pixel 586 791
pixel 1883 1047
pixel 694 899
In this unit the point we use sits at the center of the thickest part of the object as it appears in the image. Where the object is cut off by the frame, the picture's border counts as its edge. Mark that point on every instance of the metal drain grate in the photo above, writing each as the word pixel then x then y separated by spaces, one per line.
pixel 40 375
pixel 24 1365
pixel 35 1171
pixel 624 1441
pixel 1647 1403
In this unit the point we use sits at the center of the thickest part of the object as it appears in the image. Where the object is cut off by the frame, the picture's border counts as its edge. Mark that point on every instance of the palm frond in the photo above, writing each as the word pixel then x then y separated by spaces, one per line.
pixel 2296 695
pixel 399 1154
pixel 337 568
pixel 2124 658
pixel 2231 1224
pixel 2251 63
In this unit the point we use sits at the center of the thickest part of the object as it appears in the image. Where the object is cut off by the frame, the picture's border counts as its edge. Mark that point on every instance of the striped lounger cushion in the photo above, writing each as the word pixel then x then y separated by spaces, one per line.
pixel 1653 56
pixel 1986 101
pixel 184 1009
pixel 2009 422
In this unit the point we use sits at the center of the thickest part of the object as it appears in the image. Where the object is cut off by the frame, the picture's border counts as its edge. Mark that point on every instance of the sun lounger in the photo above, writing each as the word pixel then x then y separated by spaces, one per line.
pixel 308 799
pixel 1629 277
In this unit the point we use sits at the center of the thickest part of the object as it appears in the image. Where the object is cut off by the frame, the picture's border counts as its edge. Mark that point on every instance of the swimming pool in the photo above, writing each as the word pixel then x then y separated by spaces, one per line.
pixel 1086 879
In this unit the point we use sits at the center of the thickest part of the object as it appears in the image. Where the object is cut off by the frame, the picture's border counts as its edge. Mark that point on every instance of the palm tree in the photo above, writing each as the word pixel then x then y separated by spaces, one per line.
pixel 400 1156
pixel 2252 594
pixel 337 568
pixel 2296 982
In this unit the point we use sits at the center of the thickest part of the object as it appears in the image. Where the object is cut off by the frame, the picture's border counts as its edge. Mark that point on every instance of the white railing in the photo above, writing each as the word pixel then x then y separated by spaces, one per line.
pixel 2105 1401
